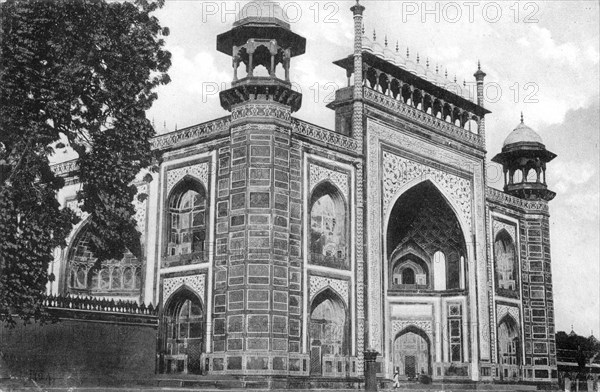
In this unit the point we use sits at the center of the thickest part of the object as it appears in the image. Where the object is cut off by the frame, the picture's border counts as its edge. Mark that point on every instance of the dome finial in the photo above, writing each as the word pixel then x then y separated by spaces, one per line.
pixel 478 65
pixel 521 117
pixel 407 52
pixel 385 41
pixel 427 62
pixel 374 35
pixel 418 58
pixel 397 47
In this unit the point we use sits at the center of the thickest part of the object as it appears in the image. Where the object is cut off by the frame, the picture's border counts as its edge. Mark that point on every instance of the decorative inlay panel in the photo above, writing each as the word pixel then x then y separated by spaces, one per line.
pixel 319 173
pixel 194 282
pixel 400 325
pixel 398 171
pixel 503 198
pixel 199 171
pixel 503 310
pixel 269 110
pixel 319 282
pixel 510 229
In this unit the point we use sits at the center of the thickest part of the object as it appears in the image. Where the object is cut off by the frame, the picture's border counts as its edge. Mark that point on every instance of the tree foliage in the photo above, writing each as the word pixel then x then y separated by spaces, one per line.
pixel 81 73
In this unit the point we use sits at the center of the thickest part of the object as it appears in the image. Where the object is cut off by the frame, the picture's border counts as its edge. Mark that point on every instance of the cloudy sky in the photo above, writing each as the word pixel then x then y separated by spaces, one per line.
pixel 541 57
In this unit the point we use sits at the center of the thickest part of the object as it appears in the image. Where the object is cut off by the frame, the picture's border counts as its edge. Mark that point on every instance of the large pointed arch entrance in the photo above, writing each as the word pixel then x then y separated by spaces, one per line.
pixel 184 326
pixel 426 283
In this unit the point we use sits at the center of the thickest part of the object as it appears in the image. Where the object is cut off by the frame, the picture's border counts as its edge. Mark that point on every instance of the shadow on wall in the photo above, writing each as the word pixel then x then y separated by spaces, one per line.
pixel 79 353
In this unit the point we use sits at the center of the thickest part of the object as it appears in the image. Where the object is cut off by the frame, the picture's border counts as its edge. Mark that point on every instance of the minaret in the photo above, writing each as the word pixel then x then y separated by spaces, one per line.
pixel 523 152
pixel 257 290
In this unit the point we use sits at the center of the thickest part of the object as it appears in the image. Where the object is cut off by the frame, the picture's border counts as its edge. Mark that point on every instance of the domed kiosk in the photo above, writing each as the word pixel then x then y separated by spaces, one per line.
pixel 261 35
pixel 523 151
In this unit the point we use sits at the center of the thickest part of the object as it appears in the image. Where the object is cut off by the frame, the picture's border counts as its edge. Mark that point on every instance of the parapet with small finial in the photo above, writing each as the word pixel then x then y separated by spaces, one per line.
pixel 406 62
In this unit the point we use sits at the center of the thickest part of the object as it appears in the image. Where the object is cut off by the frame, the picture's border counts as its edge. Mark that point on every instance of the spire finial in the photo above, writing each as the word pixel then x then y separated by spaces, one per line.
pixel 427 62
pixel 454 78
pixel 446 73
pixel 478 65
pixel 522 123
pixel 407 52
pixel 437 68
pixel 418 59
pixel 374 35
pixel 385 41
pixel 397 47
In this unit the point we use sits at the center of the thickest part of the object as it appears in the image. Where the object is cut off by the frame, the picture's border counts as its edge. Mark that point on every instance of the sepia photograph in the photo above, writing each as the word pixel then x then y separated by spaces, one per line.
pixel 309 195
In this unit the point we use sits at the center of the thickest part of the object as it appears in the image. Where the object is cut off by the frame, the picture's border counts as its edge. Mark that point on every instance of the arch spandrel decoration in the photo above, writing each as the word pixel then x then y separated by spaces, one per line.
pixel 510 229
pixel 195 282
pixel 503 310
pixel 398 171
pixel 320 173
pixel 424 325
pixel 198 171
pixel 317 283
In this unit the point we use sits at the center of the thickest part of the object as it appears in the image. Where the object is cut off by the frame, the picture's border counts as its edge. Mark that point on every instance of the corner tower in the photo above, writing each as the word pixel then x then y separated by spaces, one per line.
pixel 257 279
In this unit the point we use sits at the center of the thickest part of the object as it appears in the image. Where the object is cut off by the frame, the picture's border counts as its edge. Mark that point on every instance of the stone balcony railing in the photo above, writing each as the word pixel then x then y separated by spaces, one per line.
pixel 98 305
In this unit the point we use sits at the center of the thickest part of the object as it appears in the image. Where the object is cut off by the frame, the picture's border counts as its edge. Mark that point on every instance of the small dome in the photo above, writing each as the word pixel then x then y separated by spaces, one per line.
pixel 261 11
pixel 522 134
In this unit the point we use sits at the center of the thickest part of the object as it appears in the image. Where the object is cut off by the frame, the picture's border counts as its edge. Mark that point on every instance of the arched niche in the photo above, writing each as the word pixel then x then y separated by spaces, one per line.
pixel 411 355
pixel 505 265
pixel 183 331
pixel 86 276
pixel 328 240
pixel 187 217
pixel 509 347
pixel 329 332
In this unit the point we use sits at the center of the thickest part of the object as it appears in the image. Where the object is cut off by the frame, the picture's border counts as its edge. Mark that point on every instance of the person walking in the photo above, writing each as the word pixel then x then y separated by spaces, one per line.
pixel 396 379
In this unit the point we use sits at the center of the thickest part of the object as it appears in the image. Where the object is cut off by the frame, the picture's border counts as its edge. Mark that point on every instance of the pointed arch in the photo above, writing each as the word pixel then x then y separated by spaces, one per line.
pixel 329 226
pixel 509 342
pixel 412 352
pixel 329 332
pixel 506 269
pixel 187 214
pixel 183 326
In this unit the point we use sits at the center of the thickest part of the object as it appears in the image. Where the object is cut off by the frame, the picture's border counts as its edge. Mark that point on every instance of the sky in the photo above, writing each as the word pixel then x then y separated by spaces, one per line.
pixel 541 58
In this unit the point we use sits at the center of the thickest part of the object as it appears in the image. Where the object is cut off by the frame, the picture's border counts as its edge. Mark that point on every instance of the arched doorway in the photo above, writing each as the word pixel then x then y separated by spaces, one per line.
pixel 328 335
pixel 509 348
pixel 184 329
pixel 412 353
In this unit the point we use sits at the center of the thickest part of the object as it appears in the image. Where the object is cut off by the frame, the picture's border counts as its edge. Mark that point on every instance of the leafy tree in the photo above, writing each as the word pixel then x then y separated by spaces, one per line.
pixel 82 73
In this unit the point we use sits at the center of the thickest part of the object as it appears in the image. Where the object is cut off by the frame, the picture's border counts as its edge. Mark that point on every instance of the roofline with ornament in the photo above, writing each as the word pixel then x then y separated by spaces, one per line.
pixel 414 80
